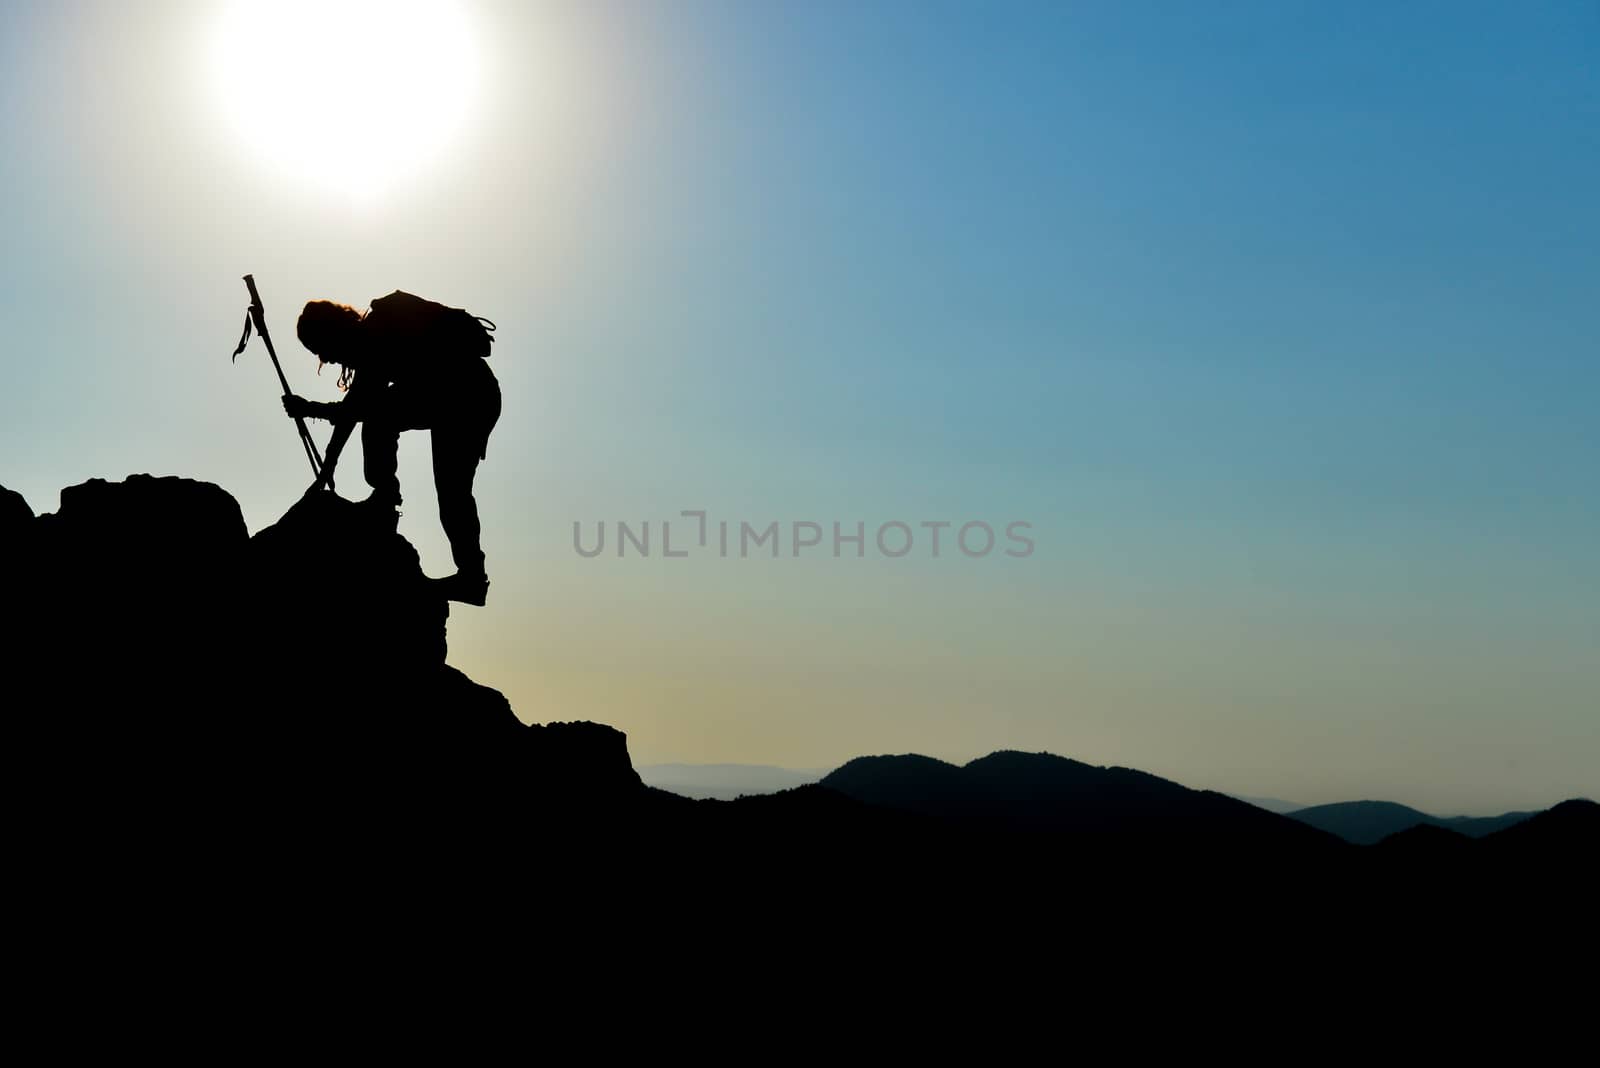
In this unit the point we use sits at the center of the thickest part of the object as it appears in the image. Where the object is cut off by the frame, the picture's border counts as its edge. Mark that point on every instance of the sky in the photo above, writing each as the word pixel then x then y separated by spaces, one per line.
pixel 1274 322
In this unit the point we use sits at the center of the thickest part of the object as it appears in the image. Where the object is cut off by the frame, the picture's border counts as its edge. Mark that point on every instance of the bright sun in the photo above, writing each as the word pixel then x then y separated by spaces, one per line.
pixel 352 96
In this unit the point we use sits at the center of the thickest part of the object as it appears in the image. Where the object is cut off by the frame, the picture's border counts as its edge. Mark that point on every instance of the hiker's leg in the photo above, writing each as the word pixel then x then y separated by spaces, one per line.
pixel 455 462
pixel 457 448
pixel 395 411
pixel 380 455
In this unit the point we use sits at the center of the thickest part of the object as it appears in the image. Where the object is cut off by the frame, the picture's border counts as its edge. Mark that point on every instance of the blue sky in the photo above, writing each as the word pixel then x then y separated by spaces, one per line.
pixel 1275 320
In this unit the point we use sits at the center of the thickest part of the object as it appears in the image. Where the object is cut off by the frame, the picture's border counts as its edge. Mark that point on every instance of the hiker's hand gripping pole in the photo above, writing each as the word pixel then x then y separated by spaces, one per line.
pixel 259 318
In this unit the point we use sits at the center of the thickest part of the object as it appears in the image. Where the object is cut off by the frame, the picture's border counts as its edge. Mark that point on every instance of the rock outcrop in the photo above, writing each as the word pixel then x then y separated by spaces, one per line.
pixel 15 514
pixel 173 672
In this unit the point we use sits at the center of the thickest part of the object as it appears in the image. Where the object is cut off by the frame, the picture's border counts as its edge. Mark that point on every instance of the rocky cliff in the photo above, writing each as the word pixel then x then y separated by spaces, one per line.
pixel 169 671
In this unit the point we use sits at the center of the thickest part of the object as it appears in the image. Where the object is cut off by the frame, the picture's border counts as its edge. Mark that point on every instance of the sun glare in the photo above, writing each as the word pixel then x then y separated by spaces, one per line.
pixel 351 96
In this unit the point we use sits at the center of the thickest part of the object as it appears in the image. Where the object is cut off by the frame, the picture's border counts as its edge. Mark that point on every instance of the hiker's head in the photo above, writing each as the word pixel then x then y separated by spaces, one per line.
pixel 330 330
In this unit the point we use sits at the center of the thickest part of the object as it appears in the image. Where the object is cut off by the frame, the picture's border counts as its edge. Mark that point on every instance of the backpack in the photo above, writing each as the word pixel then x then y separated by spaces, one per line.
pixel 429 324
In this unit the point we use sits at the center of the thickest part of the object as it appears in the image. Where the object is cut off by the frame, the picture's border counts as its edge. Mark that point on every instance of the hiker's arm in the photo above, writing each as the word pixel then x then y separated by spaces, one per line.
pixel 342 414
pixel 330 456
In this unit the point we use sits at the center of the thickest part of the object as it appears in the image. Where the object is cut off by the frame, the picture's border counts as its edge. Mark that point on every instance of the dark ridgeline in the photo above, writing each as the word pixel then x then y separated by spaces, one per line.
pixel 1039 793
pixel 209 717
pixel 1563 833
pixel 15 514
pixel 1368 822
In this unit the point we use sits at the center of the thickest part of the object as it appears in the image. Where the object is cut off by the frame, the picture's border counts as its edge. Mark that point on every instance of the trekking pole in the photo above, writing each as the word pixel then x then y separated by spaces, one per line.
pixel 257 315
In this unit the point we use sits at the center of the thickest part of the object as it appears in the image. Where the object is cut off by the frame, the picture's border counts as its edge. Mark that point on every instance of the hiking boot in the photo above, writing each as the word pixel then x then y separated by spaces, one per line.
pixel 464 587
pixel 381 510
pixel 378 500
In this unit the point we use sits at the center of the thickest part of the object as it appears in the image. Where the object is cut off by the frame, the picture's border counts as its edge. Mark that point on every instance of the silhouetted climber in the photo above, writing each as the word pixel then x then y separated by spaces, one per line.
pixel 411 364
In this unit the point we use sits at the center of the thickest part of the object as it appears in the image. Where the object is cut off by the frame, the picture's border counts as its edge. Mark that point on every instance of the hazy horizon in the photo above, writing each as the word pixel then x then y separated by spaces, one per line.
pixel 1274 322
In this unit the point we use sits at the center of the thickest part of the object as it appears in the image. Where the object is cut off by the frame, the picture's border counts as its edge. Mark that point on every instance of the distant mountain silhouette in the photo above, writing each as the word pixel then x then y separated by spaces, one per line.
pixel 1550 851
pixel 1368 822
pixel 1039 792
